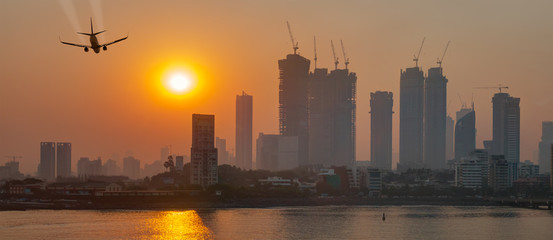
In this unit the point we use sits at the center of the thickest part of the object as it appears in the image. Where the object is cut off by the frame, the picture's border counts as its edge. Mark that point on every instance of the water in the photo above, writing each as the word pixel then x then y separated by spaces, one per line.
pixel 327 222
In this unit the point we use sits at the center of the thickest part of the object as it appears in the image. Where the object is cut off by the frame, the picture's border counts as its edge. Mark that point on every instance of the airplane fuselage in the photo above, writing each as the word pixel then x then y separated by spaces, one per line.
pixel 94 43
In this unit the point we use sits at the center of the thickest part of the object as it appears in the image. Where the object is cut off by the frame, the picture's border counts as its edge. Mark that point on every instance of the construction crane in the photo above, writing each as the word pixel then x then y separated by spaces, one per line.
pixel 315 50
pixel 13 157
pixel 439 62
pixel 416 57
pixel 334 55
pixel 498 87
pixel 294 43
pixel 344 53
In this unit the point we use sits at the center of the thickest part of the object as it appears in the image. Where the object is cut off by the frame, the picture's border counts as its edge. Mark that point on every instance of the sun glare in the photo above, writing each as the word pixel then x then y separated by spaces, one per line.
pixel 179 83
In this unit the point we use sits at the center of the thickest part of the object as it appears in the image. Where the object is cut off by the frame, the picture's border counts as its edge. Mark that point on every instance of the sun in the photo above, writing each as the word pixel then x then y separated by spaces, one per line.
pixel 179 83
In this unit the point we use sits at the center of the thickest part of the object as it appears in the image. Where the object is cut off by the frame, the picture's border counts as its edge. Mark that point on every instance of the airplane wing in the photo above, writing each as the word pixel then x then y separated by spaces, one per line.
pixel 118 40
pixel 74 44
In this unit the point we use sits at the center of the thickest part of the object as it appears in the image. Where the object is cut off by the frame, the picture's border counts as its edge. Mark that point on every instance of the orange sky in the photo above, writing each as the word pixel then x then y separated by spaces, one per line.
pixel 108 103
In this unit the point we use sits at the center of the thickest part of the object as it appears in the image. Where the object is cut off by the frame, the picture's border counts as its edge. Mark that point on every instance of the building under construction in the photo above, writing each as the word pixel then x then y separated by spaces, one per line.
pixel 435 114
pixel 293 102
pixel 332 109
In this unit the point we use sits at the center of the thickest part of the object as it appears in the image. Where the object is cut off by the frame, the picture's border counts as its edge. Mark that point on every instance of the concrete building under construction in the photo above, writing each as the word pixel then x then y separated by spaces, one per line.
pixel 435 114
pixel 293 102
pixel 411 108
pixel 332 117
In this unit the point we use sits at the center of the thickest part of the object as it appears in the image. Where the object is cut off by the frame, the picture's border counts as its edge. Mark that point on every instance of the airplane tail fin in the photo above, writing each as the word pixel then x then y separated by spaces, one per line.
pixel 91 30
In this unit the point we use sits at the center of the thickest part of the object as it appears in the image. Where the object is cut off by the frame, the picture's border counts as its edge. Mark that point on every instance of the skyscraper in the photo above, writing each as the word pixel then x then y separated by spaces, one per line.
pixel 47 166
pixel 506 127
pixel 465 132
pixel 449 138
pixel 343 116
pixel 63 159
pixel 435 113
pixel 320 118
pixel 332 109
pixel 381 129
pixel 203 157
pixel 293 102
pixel 546 141
pixel 244 106
pixel 411 106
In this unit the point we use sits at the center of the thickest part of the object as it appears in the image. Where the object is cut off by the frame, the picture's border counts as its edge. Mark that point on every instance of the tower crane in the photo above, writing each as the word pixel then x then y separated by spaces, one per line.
pixel 344 53
pixel 315 50
pixel 334 55
pixel 439 62
pixel 13 157
pixel 294 43
pixel 416 58
pixel 498 87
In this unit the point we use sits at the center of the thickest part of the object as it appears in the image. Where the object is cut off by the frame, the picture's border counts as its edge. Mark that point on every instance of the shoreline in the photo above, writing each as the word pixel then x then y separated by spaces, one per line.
pixel 245 203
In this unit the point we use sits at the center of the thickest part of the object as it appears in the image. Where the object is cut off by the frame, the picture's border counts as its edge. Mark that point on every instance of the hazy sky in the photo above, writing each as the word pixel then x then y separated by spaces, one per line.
pixel 111 103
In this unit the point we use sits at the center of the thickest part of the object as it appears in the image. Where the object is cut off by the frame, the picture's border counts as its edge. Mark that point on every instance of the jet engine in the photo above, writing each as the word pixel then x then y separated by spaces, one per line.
pixel 86 49
pixel 105 48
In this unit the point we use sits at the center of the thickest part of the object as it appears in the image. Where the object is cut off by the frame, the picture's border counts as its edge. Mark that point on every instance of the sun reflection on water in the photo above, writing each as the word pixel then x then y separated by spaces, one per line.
pixel 178 225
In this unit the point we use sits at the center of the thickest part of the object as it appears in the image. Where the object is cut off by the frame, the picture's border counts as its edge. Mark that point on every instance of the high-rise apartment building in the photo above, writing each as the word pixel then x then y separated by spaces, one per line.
pixel 293 102
pixel 435 113
pixel 411 108
pixel 381 129
pixel 546 141
pixel 63 159
pixel 244 121
pixel 506 127
pixel 203 157
pixel 47 166
pixel 465 132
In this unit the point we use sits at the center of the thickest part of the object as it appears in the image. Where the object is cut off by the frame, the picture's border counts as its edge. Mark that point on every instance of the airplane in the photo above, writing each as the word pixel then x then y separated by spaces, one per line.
pixel 94 45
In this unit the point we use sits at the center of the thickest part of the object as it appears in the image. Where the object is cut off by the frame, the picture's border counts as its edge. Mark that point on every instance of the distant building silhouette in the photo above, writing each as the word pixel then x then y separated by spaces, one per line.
pixel 381 129
pixel 63 152
pixel 153 168
pixel 47 166
pixel 86 167
pixel 164 153
pixel 244 134
pixel 435 113
pixel 506 127
pixel 465 132
pixel 411 108
pixel 320 118
pixel 203 157
pixel 110 168
pixel 546 141
pixel 344 115
pixel 449 138
pixel 332 112
pixel 222 153
pixel 276 152
pixel 131 167
pixel 293 102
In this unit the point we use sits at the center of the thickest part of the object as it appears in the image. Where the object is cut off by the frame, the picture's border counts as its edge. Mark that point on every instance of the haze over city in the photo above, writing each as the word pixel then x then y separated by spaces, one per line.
pixel 115 102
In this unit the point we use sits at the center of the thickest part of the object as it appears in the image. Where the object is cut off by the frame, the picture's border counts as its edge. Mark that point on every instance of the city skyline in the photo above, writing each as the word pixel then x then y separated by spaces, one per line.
pixel 510 47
